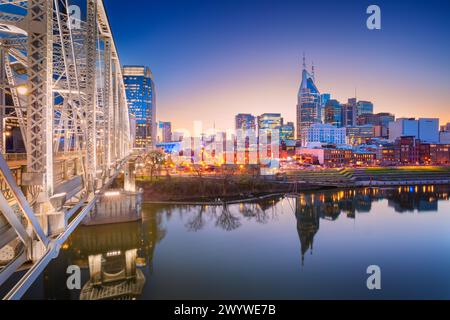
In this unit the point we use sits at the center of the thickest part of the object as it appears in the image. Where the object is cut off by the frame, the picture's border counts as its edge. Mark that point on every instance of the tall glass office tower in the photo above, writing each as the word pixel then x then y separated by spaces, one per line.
pixel 245 121
pixel 364 107
pixel 324 98
pixel 270 121
pixel 333 113
pixel 140 90
pixel 309 102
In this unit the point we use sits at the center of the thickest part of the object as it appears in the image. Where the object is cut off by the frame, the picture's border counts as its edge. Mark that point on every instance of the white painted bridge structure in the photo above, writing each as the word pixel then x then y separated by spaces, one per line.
pixel 61 85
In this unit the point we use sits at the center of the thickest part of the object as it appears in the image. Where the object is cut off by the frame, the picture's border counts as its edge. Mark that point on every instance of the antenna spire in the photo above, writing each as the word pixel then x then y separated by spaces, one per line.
pixel 304 60
pixel 313 72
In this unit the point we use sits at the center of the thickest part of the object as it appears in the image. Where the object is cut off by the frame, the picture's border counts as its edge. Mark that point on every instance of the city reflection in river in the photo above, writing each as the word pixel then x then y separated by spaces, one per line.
pixel 117 260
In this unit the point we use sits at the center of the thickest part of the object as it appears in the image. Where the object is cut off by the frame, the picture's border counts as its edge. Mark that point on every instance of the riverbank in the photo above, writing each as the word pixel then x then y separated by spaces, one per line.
pixel 213 190
pixel 217 203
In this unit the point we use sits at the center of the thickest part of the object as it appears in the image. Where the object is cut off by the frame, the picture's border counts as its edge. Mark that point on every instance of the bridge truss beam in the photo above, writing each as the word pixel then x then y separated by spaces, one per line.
pixel 61 83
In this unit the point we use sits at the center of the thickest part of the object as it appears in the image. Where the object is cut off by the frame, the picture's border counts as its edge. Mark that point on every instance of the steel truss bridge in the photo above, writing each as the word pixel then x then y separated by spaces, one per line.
pixel 61 84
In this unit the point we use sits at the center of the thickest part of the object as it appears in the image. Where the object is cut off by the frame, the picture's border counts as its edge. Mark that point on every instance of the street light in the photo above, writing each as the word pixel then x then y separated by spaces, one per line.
pixel 22 90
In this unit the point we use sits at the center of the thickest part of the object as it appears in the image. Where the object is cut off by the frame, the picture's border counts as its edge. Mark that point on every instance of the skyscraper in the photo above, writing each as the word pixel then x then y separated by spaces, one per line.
pixel 141 96
pixel 244 121
pixel 287 132
pixel 324 98
pixel 426 130
pixel 270 121
pixel 333 113
pixel 309 102
pixel 357 135
pixel 429 130
pixel 380 119
pixel 164 131
pixel 403 127
pixel 349 113
pixel 364 107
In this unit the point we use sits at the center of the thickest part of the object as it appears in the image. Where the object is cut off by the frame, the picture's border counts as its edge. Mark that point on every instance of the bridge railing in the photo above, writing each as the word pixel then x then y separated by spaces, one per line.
pixel 15 156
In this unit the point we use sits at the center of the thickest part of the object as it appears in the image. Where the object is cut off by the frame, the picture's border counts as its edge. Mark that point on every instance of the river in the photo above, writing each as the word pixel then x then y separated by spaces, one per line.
pixel 317 245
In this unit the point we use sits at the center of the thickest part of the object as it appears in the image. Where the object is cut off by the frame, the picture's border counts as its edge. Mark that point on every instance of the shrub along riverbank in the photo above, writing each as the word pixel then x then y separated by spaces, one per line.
pixel 207 189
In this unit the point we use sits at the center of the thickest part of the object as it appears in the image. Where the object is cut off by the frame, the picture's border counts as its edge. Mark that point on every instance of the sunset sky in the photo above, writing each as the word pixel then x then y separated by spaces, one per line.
pixel 214 59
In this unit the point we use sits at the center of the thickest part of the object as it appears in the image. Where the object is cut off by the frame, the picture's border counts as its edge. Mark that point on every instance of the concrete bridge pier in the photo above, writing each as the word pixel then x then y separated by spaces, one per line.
pixel 100 263
pixel 130 176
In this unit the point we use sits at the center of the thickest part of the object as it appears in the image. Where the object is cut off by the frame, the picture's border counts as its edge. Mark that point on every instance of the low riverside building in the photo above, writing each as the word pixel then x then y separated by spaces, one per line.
pixel 360 134
pixel 408 150
pixel 323 133
pixel 404 151
pixel 364 157
pixel 388 154
pixel 326 156
pixel 288 148
pixel 438 154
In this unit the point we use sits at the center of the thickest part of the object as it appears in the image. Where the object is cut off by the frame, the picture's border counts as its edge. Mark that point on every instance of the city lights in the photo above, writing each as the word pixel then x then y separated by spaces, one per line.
pixel 224 150
pixel 22 90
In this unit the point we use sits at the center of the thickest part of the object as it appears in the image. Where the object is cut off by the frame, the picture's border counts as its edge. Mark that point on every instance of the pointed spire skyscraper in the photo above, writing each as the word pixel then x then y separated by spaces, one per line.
pixel 308 106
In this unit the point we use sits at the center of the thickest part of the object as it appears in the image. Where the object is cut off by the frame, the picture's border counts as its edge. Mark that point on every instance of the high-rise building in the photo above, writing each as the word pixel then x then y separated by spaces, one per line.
pixel 446 127
pixel 333 113
pixel 429 130
pixel 364 107
pixel 349 113
pixel 323 133
pixel 164 131
pixel 383 119
pixel 270 121
pixel 287 132
pixel 324 98
pixel 403 128
pixel 425 130
pixel 444 134
pixel 244 121
pixel 360 134
pixel 380 119
pixel 309 102
pixel 177 136
pixel 141 97
pixel 444 137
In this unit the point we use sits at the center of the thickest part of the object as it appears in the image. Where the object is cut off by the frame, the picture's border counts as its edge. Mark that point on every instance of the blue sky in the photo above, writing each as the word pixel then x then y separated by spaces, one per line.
pixel 213 59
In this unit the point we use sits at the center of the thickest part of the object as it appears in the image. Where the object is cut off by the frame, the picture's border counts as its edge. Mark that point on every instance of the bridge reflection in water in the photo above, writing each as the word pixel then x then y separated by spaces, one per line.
pixel 117 259
pixel 113 258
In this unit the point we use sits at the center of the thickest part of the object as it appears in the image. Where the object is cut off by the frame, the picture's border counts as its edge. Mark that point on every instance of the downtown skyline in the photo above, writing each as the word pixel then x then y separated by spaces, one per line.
pixel 212 62
pixel 262 146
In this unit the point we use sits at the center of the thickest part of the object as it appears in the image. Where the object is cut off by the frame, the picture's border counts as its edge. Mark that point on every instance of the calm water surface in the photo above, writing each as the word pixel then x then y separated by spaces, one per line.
pixel 317 245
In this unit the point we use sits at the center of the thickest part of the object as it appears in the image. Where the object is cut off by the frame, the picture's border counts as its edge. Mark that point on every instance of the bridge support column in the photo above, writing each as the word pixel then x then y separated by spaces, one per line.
pixel 95 269
pixel 130 177
pixel 130 263
pixel 2 100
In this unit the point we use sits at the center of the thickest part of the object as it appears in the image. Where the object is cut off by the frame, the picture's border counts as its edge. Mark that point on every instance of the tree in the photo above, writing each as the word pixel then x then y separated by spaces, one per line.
pixel 199 170
pixel 168 165
pixel 228 172
pixel 197 222
pixel 254 175
pixel 155 159
pixel 227 221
